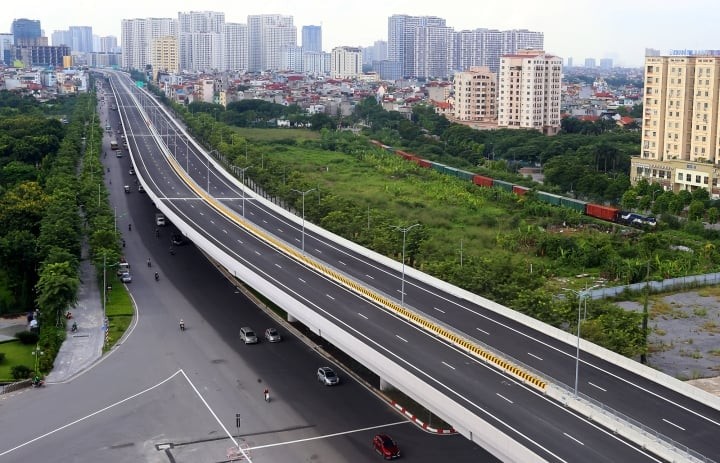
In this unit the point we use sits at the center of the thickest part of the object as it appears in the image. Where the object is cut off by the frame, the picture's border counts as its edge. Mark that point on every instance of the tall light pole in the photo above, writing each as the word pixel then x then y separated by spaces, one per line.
pixel 242 173
pixel 303 193
pixel 37 353
pixel 208 169
pixel 581 295
pixel 402 284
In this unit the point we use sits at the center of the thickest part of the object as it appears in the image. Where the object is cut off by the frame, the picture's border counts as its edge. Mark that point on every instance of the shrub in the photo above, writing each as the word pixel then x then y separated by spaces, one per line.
pixel 27 337
pixel 2 357
pixel 21 372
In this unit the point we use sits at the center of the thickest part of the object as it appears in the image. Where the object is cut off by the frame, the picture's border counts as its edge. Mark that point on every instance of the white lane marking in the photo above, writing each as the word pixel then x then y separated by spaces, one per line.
pixel 224 231
pixel 258 253
pixel 212 221
pixel 371 277
pixel 341 262
pixel 264 221
pixel 308 439
pixel 482 331
pixel 252 213
pixel 297 239
pixel 439 310
pixel 533 355
pixel 302 280
pixel 595 385
pixel 504 398
pixel 240 241
pixel 673 424
pixel 318 251
pixel 571 437
pixel 448 365
pixel 363 316
pixel 278 266
pixel 401 338
pixel 332 298
pixel 202 213
pixel 280 230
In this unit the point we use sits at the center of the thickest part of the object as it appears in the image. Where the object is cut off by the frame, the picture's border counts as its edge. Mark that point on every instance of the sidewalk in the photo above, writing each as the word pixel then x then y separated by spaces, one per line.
pixel 83 347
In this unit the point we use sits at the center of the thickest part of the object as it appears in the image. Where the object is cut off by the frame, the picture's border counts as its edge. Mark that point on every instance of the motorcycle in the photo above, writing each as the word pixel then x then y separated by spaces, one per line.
pixel 37 382
pixel 182 325
pixel 74 327
pixel 157 276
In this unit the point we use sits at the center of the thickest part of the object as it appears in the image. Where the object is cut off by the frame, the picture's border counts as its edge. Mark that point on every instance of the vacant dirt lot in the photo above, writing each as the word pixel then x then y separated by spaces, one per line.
pixel 685 336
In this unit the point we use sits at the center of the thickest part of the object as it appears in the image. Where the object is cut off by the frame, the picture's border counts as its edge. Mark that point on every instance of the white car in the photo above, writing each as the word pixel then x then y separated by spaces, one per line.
pixel 248 335
pixel 125 277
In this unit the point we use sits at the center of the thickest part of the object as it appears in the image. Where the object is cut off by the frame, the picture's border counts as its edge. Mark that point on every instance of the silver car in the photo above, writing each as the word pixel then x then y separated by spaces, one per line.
pixel 327 376
pixel 248 335
pixel 272 335
pixel 125 277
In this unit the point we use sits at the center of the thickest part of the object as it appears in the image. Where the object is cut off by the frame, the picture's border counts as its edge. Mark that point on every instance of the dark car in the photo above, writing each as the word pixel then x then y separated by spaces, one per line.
pixel 272 335
pixel 385 446
pixel 178 240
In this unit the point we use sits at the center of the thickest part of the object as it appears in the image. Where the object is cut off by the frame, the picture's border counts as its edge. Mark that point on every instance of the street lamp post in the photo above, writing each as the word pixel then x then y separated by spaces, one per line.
pixel 242 173
pixel 37 353
pixel 303 193
pixel 582 296
pixel 402 280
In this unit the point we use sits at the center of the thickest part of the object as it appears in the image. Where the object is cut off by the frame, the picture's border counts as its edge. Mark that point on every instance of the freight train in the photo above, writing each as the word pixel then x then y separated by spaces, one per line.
pixel 598 211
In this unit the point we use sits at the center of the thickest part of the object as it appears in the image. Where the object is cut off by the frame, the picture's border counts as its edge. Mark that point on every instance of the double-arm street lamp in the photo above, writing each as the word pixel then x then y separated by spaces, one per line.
pixel 582 296
pixel 303 193
pixel 402 280
pixel 242 173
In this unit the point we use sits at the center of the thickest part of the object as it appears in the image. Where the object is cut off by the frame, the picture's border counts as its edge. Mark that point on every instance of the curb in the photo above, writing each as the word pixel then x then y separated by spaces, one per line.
pixel 419 422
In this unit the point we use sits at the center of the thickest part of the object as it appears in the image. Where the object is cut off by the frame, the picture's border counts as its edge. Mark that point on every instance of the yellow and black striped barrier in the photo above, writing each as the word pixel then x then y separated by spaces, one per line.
pixel 337 277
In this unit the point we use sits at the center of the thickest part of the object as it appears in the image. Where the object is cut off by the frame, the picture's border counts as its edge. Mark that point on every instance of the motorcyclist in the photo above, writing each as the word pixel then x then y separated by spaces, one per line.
pixel 182 325
pixel 157 276
pixel 129 227
pixel 266 394
pixel 149 263
pixel 74 327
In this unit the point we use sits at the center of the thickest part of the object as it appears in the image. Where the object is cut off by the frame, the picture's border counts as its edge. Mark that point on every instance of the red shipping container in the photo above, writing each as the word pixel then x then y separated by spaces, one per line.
pixel 423 163
pixel 602 212
pixel 520 190
pixel 483 181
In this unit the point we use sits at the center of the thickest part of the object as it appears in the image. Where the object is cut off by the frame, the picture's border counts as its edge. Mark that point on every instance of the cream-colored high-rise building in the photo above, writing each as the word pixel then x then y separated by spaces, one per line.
pixel 346 62
pixel 475 95
pixel 680 132
pixel 529 91
pixel 165 55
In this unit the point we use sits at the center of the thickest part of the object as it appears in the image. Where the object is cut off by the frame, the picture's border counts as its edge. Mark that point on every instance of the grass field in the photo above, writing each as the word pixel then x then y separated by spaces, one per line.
pixel 119 311
pixel 15 354
pixel 270 135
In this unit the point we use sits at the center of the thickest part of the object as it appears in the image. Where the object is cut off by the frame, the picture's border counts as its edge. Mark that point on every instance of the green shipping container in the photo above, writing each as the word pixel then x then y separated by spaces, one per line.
pixel 507 186
pixel 548 198
pixel 575 204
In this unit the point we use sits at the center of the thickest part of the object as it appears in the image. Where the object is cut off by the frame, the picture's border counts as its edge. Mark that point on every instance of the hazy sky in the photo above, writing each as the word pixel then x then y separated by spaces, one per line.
pixel 617 29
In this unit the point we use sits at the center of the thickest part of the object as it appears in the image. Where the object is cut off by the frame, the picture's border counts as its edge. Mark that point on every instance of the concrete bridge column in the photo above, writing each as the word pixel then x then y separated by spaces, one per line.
pixel 385 386
pixel 291 319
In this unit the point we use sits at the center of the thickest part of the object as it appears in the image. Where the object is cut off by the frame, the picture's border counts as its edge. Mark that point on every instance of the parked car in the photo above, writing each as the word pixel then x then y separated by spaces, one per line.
pixel 248 335
pixel 125 277
pixel 272 335
pixel 327 376
pixel 385 446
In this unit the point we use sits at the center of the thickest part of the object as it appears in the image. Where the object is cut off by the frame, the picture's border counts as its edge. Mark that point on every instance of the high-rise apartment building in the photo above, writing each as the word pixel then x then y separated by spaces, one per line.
pixel 312 38
pixel 107 44
pixel 165 55
pixel 81 39
pixel 402 36
pixel 137 37
pixel 236 47
pixel 268 35
pixel 529 91
pixel 590 63
pixel 484 47
pixel 433 51
pixel 61 38
pixel 681 123
pixel 292 58
pixel 6 49
pixel 26 32
pixel 346 62
pixel 606 63
pixel 475 95
pixel 378 51
pixel 201 42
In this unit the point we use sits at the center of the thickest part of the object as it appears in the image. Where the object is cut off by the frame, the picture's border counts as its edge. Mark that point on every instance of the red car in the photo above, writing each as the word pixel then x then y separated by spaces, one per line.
pixel 385 446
